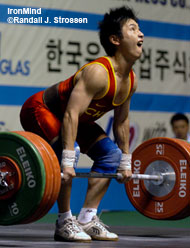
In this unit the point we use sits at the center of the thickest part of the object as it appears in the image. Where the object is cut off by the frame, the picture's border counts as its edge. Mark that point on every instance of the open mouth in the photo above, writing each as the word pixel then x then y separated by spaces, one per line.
pixel 139 44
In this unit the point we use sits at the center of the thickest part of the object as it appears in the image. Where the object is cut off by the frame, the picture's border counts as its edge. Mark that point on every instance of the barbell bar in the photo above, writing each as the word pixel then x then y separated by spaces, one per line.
pixel 118 176
pixel 161 177
pixel 31 169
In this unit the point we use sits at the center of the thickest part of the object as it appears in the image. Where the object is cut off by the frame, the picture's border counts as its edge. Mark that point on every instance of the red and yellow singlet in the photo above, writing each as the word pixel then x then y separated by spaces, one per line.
pixel 98 107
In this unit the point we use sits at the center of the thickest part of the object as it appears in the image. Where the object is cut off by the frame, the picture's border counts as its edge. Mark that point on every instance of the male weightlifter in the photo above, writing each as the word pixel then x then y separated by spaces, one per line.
pixel 65 113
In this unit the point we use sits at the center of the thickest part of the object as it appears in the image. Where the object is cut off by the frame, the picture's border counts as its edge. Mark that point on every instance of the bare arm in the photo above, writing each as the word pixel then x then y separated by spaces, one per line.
pixel 121 133
pixel 121 127
pixel 121 123
pixel 92 82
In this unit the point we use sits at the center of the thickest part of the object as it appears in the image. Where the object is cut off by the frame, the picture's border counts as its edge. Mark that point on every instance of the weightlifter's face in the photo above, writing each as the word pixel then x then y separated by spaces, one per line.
pixel 131 43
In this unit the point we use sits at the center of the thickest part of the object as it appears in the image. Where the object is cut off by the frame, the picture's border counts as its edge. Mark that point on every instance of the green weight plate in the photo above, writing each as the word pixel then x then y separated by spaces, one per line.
pixel 26 200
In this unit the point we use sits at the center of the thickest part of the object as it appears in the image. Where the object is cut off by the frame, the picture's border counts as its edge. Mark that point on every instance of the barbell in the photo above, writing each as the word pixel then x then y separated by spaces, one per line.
pixel 30 178
pixel 159 177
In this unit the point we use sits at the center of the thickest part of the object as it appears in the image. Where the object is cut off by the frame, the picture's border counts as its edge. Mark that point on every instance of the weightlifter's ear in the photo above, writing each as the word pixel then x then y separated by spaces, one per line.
pixel 114 39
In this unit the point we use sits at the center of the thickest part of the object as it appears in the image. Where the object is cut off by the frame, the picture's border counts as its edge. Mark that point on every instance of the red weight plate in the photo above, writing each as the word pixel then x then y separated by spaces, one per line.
pixel 173 154
pixel 56 176
pixel 186 212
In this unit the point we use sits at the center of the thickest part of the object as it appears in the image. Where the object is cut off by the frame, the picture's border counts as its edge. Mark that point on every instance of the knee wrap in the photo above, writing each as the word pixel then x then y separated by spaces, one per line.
pixel 106 156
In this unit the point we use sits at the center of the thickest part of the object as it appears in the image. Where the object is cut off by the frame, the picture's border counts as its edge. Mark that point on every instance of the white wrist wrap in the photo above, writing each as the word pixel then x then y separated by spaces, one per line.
pixel 68 158
pixel 125 163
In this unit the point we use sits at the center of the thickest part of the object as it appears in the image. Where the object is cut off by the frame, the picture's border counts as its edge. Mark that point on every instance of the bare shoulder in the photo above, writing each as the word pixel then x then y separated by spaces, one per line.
pixel 95 79
pixel 95 72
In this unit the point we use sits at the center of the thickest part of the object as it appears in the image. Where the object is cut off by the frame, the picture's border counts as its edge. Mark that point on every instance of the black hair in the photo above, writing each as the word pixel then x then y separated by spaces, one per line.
pixel 112 24
pixel 177 117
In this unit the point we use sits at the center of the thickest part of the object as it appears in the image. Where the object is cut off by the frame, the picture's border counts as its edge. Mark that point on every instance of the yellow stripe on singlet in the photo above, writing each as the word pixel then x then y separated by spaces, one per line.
pixel 117 104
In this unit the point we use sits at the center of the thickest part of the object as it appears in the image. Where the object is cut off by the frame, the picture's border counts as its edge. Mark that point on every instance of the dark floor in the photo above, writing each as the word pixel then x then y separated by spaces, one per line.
pixel 41 235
